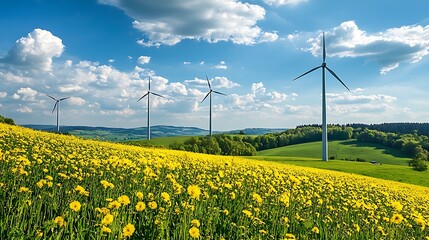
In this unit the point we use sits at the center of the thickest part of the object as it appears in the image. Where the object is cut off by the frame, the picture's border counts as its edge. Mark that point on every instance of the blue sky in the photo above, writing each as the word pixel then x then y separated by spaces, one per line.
pixel 101 54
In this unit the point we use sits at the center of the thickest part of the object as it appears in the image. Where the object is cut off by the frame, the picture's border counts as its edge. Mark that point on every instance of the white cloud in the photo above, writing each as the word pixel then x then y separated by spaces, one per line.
pixel 168 23
pixel 35 51
pixel 221 65
pixel 143 59
pixel 24 109
pixel 70 88
pixel 111 60
pixel 389 48
pixel 76 101
pixel 223 82
pixel 3 94
pixel 26 94
pixel 284 2
pixel 186 63
pixel 10 77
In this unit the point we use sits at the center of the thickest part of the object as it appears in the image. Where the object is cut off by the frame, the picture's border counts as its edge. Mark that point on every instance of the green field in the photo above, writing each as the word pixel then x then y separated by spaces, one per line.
pixel 349 149
pixel 393 163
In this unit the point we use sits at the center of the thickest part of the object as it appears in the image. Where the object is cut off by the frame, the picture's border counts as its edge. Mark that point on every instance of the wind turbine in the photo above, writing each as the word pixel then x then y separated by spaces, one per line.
pixel 324 124
pixel 57 106
pixel 210 93
pixel 149 92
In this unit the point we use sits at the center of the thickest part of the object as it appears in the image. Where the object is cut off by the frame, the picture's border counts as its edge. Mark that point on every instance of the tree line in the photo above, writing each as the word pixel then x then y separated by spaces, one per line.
pixel 414 145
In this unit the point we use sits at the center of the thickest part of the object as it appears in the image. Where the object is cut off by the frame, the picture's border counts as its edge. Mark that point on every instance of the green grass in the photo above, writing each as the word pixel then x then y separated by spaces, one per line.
pixel 393 163
pixel 349 149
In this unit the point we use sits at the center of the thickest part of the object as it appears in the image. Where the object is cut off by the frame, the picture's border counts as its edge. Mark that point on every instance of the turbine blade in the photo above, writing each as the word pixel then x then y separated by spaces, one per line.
pixel 307 72
pixel 324 48
pixel 219 93
pixel 64 98
pixel 335 75
pixel 149 83
pixel 51 96
pixel 210 87
pixel 143 96
pixel 55 106
pixel 156 94
pixel 206 96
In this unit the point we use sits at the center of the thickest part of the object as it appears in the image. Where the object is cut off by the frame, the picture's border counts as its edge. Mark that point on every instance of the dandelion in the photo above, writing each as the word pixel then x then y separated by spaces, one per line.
pixel 396 218
pixel 152 205
pixel 24 189
pixel 128 230
pixel 139 195
pixel 396 205
pixel 247 213
pixel 165 196
pixel 195 223
pixel 194 232
pixel 289 236
pixel 105 229
pixel 114 205
pixel 194 191
pixel 75 206
pixel 124 199
pixel 257 198
pixel 107 220
pixel 315 230
pixel 60 221
pixel 140 206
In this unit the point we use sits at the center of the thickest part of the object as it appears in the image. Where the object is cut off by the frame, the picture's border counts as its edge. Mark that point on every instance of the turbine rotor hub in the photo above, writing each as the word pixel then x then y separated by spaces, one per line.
pixel 323 64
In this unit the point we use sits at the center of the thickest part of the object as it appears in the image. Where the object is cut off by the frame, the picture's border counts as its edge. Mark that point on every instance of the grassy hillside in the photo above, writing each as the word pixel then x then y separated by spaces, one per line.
pixel 349 149
pixel 62 187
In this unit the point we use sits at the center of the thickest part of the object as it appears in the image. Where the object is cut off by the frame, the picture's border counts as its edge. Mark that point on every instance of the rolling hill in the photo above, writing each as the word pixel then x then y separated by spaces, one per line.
pixel 123 134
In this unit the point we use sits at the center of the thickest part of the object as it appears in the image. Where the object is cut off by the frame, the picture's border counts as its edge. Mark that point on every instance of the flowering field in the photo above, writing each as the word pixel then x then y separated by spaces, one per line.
pixel 61 187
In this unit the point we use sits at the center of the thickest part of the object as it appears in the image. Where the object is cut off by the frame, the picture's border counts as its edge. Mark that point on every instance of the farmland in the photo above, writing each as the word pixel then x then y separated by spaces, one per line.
pixel 62 187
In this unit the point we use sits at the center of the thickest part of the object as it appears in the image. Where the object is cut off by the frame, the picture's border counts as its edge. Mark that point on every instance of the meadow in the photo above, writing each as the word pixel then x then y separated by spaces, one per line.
pixel 62 187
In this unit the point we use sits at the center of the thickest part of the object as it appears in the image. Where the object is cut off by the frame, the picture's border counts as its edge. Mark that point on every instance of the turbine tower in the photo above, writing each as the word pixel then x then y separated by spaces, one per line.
pixel 324 124
pixel 149 92
pixel 210 94
pixel 57 106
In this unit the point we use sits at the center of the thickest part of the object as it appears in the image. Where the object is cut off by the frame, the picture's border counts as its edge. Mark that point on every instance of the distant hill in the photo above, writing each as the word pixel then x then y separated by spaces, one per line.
pixel 122 134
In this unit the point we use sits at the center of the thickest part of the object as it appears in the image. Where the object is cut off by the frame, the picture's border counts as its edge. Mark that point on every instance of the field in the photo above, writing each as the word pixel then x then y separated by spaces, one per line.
pixel 159 142
pixel 393 163
pixel 62 187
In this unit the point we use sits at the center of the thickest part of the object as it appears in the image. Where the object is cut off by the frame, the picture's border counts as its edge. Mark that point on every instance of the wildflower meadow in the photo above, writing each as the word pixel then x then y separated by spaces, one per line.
pixel 62 187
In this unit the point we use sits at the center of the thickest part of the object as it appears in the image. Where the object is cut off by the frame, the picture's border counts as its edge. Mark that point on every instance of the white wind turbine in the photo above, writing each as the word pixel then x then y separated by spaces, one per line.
pixel 149 92
pixel 210 94
pixel 324 124
pixel 57 106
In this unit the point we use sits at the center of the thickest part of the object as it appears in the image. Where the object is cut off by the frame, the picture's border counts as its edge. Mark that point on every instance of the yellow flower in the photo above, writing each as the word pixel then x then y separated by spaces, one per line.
pixel 107 220
pixel 165 196
pixel 75 206
pixel 81 190
pixel 39 233
pixel 289 236
pixel 195 223
pixel 114 204
pixel 247 213
pixel 232 195
pixel 139 195
pixel 140 206
pixel 128 230
pixel 194 191
pixel 194 232
pixel 60 221
pixel 315 230
pixel 397 205
pixel 24 189
pixel 396 218
pixel 152 205
pixel 257 198
pixel 124 199
pixel 105 229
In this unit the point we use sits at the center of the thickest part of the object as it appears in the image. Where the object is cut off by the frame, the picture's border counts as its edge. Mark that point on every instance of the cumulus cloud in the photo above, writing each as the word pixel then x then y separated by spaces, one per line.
pixel 168 23
pixel 216 82
pixel 26 94
pixel 35 51
pixel 389 48
pixel 76 101
pixel 143 59
pixel 24 109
